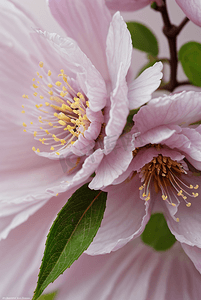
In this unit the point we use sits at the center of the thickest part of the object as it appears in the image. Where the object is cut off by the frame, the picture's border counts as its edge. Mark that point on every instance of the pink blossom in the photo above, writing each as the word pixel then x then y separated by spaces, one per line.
pixel 192 9
pixel 135 271
pixel 163 174
pixel 32 181
pixel 126 5
pixel 63 114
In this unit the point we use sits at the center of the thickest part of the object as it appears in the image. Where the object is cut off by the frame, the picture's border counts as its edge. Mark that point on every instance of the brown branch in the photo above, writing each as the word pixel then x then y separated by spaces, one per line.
pixel 171 32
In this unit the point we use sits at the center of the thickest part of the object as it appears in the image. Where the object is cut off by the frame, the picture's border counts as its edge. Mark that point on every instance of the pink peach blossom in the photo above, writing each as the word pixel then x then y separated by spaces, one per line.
pixel 192 9
pixel 133 272
pixel 63 114
pixel 95 76
pixel 163 174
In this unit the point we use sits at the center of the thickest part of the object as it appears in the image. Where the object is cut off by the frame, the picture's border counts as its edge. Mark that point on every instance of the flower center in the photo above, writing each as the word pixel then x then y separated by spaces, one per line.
pixel 165 174
pixel 61 113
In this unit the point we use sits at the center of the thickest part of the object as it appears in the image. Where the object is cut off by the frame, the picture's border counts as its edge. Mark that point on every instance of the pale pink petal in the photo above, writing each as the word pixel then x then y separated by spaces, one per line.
pixel 141 89
pixel 22 250
pixel 119 51
pixel 87 22
pixel 192 9
pixel 89 79
pixel 128 5
pixel 83 174
pixel 187 230
pixel 113 164
pixel 134 272
pixel 25 178
pixel 118 48
pixel 145 155
pixel 189 142
pixel 156 135
pixel 178 109
pixel 194 253
pixel 125 217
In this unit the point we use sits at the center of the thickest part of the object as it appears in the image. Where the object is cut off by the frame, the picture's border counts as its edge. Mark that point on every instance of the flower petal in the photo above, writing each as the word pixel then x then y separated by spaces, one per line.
pixel 87 22
pixel 22 250
pixel 125 217
pixel 113 164
pixel 178 109
pixel 141 88
pixel 194 253
pixel 74 60
pixel 119 51
pixel 187 230
pixel 133 272
pixel 192 9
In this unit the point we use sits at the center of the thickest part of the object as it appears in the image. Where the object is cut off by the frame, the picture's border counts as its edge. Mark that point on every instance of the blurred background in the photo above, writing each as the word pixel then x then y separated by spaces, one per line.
pixel 146 16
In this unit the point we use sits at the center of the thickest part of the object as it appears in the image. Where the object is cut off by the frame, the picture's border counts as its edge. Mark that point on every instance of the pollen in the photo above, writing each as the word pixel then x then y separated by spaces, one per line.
pixel 165 174
pixel 61 121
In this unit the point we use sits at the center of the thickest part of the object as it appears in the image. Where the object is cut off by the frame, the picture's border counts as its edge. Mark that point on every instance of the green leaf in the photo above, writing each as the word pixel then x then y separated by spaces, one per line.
pixel 71 234
pixel 142 38
pixel 190 58
pixel 48 296
pixel 157 233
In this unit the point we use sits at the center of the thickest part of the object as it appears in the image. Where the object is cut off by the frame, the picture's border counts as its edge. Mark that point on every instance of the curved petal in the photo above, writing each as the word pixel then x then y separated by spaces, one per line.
pixel 89 78
pixel 133 272
pixel 25 177
pixel 119 51
pixel 189 142
pixel 87 22
pixel 178 109
pixel 194 253
pixel 187 230
pixel 157 135
pixel 23 249
pixel 192 9
pixel 125 217
pixel 113 164
pixel 141 89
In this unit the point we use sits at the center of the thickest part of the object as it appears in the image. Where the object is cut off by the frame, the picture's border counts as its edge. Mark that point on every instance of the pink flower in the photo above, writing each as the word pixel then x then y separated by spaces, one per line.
pixel 64 114
pixel 126 5
pixel 163 174
pixel 96 76
pixel 192 9
pixel 134 272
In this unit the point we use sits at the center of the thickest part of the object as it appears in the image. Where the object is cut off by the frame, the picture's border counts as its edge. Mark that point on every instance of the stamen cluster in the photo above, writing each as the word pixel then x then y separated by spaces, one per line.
pixel 165 174
pixel 63 117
